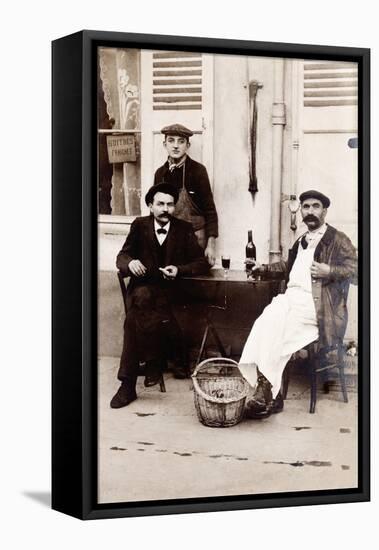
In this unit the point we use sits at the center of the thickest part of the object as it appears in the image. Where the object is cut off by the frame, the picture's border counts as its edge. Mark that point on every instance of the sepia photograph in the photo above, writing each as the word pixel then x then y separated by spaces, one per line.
pixel 195 204
pixel 227 274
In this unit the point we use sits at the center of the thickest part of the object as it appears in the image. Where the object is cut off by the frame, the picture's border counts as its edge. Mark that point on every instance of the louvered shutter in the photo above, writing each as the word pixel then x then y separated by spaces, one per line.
pixel 329 83
pixel 177 81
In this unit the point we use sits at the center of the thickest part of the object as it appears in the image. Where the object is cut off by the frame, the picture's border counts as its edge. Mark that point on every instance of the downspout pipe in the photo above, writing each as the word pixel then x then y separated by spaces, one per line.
pixel 278 123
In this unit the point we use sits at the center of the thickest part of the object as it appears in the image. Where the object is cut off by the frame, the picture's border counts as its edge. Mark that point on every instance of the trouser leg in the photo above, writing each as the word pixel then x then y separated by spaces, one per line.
pixel 129 362
pixel 143 335
pixel 176 348
pixel 151 334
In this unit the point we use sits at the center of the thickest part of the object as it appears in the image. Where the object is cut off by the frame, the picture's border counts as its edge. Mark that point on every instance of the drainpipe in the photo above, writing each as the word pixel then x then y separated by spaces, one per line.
pixel 278 122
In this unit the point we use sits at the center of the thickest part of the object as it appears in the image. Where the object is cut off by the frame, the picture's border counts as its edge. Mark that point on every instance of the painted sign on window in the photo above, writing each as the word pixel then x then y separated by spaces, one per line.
pixel 121 148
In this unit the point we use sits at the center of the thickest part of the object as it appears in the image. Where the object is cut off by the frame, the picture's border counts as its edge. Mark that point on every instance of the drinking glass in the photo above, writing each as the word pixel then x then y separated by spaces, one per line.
pixel 225 262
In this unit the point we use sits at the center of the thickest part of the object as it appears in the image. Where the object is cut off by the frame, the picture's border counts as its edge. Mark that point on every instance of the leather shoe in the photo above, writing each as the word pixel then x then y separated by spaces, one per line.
pixel 257 407
pixel 276 405
pixel 259 410
pixel 262 392
pixel 152 379
pixel 124 396
pixel 256 410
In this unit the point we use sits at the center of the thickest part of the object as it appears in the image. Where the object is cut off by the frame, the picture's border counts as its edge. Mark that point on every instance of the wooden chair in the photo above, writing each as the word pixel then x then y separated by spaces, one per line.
pixel 318 363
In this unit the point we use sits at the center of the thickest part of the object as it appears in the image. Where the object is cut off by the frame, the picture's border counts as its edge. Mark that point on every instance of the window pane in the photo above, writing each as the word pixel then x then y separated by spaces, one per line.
pixel 119 175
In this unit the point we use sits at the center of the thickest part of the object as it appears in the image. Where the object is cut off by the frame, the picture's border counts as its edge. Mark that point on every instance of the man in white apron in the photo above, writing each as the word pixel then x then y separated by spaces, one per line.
pixel 321 265
pixel 190 178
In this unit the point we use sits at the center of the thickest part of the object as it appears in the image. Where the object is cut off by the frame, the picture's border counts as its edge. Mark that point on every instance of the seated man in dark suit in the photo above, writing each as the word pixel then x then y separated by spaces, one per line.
pixel 158 250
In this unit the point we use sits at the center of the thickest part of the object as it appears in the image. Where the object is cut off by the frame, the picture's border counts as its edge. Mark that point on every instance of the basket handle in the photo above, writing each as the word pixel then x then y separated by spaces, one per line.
pixel 201 365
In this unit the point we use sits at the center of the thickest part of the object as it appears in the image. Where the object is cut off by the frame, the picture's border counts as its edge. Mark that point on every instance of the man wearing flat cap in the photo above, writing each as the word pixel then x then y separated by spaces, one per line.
pixel 158 250
pixel 321 265
pixel 195 203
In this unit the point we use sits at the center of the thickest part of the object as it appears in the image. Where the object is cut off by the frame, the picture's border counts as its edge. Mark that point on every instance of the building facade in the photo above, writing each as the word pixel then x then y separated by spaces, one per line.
pixel 265 128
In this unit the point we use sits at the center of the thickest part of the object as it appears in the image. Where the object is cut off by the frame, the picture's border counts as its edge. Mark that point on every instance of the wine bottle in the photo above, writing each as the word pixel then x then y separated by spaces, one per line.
pixel 250 251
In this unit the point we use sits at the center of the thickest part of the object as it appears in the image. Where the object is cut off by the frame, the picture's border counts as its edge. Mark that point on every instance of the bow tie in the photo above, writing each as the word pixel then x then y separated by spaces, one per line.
pixel 304 242
pixel 162 231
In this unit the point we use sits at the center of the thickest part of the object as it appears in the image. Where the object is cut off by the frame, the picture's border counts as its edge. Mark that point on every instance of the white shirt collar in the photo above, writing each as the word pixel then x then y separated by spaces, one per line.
pixel 158 226
pixel 314 237
pixel 319 231
pixel 161 236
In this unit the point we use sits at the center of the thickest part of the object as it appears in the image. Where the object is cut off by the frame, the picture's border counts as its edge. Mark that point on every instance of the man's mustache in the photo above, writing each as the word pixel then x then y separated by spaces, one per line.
pixel 310 218
pixel 165 215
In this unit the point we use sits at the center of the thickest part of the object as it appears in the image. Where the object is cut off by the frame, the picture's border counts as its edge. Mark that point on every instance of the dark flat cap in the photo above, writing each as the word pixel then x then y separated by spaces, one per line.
pixel 312 194
pixel 162 187
pixel 176 130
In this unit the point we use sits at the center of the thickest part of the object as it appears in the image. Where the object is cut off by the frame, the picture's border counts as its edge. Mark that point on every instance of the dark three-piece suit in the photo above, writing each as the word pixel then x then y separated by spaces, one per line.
pixel 151 332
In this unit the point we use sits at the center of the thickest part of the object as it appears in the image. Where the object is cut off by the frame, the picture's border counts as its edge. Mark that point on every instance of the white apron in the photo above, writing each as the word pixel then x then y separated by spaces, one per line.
pixel 286 325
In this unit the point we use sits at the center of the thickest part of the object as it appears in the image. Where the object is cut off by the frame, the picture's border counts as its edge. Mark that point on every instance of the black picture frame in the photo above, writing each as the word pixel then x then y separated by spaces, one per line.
pixel 74 272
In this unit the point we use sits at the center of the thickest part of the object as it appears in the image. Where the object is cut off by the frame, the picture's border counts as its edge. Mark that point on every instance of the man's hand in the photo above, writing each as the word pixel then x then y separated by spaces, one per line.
pixel 320 271
pixel 210 251
pixel 253 265
pixel 137 268
pixel 169 272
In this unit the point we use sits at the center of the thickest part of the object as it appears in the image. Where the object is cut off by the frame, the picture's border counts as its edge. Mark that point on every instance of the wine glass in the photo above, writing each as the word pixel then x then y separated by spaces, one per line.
pixel 225 262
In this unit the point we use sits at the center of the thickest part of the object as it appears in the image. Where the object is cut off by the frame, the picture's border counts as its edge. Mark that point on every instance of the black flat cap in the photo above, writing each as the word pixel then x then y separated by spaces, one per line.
pixel 162 187
pixel 176 130
pixel 312 194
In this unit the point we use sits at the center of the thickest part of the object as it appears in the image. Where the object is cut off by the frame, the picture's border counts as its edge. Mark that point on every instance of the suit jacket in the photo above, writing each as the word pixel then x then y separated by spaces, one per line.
pixel 199 189
pixel 329 294
pixel 182 250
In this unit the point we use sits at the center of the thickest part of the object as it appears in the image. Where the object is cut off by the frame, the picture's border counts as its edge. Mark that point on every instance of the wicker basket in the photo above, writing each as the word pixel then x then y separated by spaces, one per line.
pixel 219 397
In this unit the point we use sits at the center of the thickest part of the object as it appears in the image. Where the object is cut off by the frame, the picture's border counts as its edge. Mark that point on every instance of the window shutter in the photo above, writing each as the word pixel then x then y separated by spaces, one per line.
pixel 328 83
pixel 177 81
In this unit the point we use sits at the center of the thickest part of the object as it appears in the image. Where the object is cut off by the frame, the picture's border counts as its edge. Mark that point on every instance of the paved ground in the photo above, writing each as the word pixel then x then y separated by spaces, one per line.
pixel 157 449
